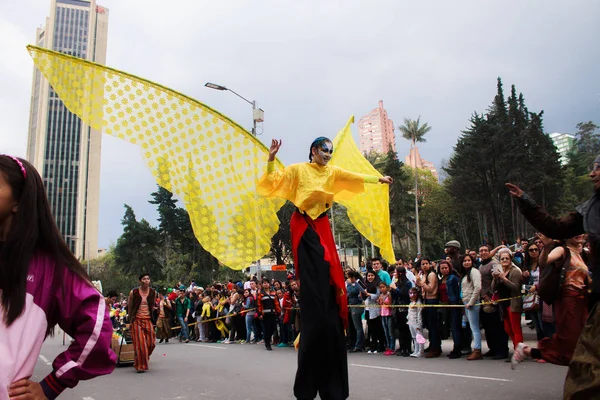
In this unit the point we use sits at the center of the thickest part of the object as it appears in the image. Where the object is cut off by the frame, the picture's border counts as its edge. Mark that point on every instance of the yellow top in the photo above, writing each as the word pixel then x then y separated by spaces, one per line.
pixel 312 187
pixel 205 310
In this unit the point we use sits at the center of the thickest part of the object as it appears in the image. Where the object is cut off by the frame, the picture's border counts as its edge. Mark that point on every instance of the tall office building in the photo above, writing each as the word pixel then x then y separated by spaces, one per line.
pixel 376 131
pixel 563 143
pixel 65 151
pixel 414 160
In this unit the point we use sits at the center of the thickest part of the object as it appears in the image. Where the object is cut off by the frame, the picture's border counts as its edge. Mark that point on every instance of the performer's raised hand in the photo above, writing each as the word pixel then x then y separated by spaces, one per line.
pixel 275 145
pixel 386 179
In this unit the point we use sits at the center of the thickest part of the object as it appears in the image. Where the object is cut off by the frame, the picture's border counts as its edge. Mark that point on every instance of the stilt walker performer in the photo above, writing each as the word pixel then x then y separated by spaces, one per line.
pixel 312 186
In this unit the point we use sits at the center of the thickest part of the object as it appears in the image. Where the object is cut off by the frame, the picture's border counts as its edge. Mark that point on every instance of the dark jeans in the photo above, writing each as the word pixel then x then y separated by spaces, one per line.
pixel 404 332
pixel 269 323
pixel 430 318
pixel 360 334
pixel 495 335
pixel 377 340
pixel 453 318
pixel 286 332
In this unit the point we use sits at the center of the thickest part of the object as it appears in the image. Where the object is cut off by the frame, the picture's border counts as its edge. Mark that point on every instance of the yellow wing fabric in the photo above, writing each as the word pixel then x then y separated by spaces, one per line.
pixel 208 161
pixel 369 212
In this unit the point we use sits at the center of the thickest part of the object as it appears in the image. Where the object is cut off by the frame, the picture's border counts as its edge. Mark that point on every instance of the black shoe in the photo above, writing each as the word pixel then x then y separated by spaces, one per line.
pixel 166 340
pixel 454 355
pixel 268 346
pixel 489 354
pixel 500 357
pixel 353 350
pixel 161 340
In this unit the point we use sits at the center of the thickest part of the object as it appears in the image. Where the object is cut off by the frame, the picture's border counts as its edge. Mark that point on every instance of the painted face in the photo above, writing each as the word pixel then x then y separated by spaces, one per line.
pixel 323 152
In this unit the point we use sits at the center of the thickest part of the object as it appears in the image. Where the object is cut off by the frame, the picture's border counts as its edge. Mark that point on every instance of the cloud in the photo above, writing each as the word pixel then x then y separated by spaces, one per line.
pixel 311 64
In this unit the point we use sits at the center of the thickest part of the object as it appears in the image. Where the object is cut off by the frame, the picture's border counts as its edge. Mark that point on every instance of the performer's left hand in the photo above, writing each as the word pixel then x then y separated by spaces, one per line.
pixel 26 390
pixel 386 179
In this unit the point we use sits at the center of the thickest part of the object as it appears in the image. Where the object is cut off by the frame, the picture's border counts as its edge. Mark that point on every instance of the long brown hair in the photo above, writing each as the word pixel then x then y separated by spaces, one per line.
pixel 32 230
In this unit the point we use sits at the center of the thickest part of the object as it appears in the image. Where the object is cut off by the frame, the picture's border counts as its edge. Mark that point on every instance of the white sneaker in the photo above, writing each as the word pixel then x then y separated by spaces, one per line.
pixel 518 356
pixel 370 352
pixel 374 351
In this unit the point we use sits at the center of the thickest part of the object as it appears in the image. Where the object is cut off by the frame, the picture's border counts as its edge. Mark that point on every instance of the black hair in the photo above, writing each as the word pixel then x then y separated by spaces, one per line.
pixel 376 259
pixel 112 293
pixel 526 266
pixel 353 274
pixel 463 270
pixel 316 143
pixel 32 230
pixel 417 291
pixel 263 280
pixel 143 275
pixel 486 245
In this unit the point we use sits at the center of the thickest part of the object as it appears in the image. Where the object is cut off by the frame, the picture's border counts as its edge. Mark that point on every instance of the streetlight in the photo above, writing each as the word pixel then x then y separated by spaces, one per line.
pixel 258 115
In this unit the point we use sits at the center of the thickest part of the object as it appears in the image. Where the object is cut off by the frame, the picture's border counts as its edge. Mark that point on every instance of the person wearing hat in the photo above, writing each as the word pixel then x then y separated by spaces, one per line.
pixel 583 377
pixel 453 251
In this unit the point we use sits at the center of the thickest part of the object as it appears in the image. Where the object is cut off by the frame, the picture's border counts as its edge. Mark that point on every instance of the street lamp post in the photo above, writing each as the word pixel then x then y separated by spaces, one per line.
pixel 257 116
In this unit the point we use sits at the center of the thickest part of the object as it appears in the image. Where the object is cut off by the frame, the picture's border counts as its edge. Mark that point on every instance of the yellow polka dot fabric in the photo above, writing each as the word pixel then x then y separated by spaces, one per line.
pixel 369 211
pixel 208 161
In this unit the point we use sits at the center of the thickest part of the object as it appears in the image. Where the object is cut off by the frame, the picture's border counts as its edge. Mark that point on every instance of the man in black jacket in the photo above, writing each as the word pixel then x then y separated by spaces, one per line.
pixel 583 378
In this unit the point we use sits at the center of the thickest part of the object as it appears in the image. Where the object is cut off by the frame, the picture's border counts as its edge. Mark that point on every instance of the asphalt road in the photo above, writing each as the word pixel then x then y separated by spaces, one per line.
pixel 247 371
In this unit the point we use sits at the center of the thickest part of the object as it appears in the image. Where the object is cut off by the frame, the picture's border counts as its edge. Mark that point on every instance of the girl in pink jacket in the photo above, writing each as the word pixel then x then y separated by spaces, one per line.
pixel 42 285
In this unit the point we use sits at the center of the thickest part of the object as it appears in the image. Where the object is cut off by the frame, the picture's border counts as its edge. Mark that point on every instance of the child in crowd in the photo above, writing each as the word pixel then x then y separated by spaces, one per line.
pixel 415 321
pixel 385 300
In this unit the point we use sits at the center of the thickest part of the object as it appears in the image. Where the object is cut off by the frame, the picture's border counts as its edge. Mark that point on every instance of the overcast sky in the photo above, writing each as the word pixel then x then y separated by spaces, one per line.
pixel 312 64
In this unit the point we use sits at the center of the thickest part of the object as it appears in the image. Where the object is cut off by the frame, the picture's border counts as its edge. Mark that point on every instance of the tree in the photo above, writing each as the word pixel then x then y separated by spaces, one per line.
pixel 135 249
pixel 505 144
pixel 400 198
pixel 415 132
pixel 586 148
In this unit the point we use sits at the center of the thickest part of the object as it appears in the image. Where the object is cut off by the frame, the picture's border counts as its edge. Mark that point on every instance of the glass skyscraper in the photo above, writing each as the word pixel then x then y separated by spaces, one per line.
pixel 66 151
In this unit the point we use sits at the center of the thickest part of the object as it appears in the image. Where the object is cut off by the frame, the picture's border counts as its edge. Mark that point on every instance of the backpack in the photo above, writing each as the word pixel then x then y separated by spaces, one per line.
pixel 552 276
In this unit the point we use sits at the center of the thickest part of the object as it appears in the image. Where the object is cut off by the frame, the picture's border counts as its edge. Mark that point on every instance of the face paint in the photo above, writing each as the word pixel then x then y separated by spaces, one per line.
pixel 325 151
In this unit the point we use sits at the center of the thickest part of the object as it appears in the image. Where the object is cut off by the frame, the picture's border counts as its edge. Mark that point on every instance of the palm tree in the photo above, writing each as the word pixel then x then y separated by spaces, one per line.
pixel 415 132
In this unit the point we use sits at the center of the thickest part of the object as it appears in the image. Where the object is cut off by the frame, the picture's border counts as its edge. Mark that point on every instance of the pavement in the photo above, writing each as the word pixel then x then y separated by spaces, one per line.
pixel 247 371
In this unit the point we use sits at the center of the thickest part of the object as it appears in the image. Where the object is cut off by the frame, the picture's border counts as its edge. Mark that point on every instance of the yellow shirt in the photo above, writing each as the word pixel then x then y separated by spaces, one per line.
pixel 205 310
pixel 312 187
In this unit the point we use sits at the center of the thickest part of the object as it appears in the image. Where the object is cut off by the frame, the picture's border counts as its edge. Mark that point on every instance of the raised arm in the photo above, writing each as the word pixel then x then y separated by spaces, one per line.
pixel 556 228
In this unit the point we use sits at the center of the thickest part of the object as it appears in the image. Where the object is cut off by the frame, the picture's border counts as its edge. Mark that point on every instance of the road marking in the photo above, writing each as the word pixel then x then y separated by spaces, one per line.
pixel 88 398
pixel 44 359
pixel 207 346
pixel 433 373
